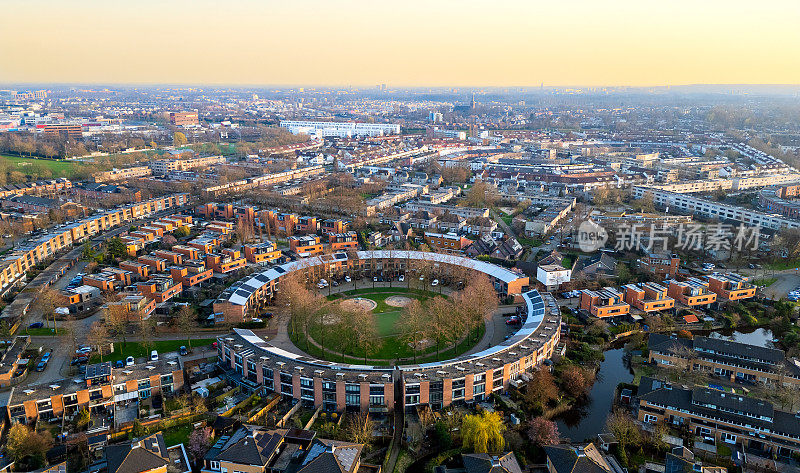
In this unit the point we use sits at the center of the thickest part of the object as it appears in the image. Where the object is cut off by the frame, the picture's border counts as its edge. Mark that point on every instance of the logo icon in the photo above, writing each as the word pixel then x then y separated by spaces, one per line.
pixel 591 236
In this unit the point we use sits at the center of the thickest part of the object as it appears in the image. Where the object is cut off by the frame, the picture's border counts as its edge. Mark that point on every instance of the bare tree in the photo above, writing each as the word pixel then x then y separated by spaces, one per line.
pixel 99 337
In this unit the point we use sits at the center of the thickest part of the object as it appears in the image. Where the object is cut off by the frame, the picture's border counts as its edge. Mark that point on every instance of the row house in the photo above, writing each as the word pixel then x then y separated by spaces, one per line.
pixel 333 225
pixel 306 225
pixel 720 417
pixel 99 390
pixel 205 243
pixel 39 249
pixel 661 266
pixel 730 360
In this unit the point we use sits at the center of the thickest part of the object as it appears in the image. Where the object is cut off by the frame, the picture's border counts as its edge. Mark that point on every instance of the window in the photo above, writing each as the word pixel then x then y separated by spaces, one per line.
pixel 214 465
pixel 650 419
pixel 727 438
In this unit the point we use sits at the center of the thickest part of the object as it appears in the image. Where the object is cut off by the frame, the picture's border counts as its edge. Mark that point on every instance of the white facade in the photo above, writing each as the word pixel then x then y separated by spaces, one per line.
pixel 553 276
pixel 339 129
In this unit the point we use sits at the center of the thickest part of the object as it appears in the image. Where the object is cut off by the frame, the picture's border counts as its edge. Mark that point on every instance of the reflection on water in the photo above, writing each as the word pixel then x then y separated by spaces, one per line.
pixel 761 336
pixel 589 419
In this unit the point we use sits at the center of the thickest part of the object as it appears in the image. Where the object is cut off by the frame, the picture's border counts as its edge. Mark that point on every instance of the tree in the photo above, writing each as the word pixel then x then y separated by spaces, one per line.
pixel 483 432
pixel 482 194
pixel 366 331
pixel 46 302
pixel 23 443
pixel 185 322
pixel 624 429
pixel 147 329
pixel 116 248
pixel 199 443
pixel 117 317
pixel 543 432
pixel 576 381
pixel 179 139
pixel 414 325
pixel 181 232
pixel 84 417
pixel 541 389
pixel 360 428
pixel 99 337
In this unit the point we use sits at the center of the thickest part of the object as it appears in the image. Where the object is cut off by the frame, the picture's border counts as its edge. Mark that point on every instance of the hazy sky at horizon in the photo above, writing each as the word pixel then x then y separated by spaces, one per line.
pixel 401 43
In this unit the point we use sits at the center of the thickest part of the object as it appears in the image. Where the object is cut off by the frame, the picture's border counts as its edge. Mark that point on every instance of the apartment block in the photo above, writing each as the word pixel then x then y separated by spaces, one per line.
pixel 160 288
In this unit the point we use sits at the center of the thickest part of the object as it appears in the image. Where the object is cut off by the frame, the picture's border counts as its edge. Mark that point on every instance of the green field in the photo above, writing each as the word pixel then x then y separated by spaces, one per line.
pixel 26 165
pixel 138 349
pixel 388 346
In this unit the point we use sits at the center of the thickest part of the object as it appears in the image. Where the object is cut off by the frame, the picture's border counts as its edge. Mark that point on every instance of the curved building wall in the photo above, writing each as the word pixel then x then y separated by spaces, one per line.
pixel 339 386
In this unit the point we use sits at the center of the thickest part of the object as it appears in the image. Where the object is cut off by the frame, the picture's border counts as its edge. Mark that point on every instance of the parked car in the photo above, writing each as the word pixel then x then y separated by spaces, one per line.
pixel 41 366
pixel 435 282
pixel 256 320
pixel 83 350
pixel 36 325
pixel 80 360
pixel 129 361
pixel 374 278
pixel 513 320
pixel 119 364
pixel 183 351
pixel 153 355
pixel 401 278
pixel 348 279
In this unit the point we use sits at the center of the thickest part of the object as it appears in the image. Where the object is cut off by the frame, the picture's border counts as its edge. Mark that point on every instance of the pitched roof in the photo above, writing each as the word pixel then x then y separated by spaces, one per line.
pixel 576 459
pixel 485 463
pixel 146 454
pixel 331 456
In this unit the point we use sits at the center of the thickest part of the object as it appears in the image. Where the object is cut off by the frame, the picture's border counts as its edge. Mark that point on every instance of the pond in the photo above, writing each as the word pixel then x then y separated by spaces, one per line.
pixel 761 337
pixel 589 419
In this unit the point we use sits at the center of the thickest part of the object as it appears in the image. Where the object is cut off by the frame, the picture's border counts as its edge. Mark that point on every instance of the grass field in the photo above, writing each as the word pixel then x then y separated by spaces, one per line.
pixel 138 350
pixel 58 168
pixel 766 282
pixel 389 346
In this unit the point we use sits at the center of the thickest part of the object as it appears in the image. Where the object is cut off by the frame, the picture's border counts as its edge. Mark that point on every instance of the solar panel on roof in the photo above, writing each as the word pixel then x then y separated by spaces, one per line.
pixel 249 288
pixel 262 278
pixel 279 269
pixel 242 293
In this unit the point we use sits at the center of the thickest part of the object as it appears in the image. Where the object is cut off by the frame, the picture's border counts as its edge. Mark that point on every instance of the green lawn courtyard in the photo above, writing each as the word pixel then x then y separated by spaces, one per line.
pixel 390 345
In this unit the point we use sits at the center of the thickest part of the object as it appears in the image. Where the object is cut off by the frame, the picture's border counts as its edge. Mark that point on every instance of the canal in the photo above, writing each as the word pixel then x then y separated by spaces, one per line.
pixel 589 419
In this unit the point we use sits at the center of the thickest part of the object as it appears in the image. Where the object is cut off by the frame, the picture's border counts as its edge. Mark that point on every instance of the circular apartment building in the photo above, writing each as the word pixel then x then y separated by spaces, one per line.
pixel 339 386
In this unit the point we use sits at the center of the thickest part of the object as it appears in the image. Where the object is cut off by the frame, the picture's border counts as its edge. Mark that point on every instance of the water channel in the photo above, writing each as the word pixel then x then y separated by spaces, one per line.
pixel 589 419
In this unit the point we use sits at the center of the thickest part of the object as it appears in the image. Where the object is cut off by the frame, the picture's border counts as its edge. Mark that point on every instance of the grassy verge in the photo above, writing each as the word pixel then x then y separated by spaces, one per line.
pixel 139 350
pixel 766 282
pixel 784 264
pixel 44 331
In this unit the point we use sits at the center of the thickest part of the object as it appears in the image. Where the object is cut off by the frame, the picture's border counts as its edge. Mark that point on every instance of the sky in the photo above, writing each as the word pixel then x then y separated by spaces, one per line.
pixel 401 43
